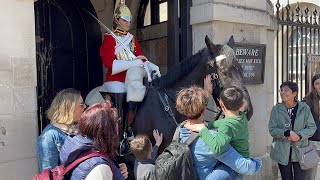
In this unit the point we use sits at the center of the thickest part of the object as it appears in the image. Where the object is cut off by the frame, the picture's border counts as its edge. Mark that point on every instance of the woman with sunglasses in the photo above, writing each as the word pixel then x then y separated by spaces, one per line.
pixel 65 110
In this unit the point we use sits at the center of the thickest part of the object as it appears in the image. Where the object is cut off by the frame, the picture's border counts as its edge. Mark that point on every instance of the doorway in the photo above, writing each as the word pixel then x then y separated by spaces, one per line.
pixel 68 43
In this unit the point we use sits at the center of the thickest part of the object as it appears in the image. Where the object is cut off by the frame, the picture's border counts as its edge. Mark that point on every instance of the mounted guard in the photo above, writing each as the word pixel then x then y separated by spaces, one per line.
pixel 127 67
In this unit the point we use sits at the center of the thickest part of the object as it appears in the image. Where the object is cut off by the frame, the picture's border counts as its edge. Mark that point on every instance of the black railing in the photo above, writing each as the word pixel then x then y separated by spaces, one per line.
pixel 298 34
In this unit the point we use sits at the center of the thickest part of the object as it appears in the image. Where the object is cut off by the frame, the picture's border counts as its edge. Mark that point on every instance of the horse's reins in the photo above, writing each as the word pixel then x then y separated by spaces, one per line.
pixel 167 107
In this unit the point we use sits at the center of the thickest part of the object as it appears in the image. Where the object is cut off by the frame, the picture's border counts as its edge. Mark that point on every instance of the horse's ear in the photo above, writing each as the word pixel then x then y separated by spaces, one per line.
pixel 231 42
pixel 213 49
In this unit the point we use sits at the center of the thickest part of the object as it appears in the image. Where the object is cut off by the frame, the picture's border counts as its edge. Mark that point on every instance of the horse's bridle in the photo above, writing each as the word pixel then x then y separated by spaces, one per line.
pixel 215 77
pixel 217 85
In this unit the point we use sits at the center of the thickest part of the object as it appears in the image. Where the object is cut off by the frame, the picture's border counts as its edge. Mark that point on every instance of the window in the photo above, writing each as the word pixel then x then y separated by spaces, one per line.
pixel 152 12
pixel 163 13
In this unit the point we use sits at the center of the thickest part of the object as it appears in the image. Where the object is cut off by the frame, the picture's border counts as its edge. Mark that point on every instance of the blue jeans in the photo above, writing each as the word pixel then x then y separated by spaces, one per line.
pixel 223 172
pixel 245 166
pixel 204 161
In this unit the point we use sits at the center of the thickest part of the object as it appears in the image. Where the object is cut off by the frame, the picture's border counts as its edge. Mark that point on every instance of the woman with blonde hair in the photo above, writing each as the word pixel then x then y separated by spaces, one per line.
pixel 65 110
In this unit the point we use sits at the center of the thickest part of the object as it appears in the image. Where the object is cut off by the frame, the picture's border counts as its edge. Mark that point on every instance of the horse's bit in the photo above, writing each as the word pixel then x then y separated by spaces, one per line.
pixel 214 75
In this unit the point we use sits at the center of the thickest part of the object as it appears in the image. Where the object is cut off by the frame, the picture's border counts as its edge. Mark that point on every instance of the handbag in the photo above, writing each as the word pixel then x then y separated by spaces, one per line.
pixel 307 156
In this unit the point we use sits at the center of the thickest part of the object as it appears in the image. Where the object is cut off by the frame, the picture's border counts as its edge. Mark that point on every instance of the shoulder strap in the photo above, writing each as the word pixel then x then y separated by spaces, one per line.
pixel 176 135
pixel 88 155
pixel 193 136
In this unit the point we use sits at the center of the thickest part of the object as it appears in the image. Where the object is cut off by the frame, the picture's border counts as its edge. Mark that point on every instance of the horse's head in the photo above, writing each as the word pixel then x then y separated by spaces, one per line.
pixel 229 71
pixel 225 61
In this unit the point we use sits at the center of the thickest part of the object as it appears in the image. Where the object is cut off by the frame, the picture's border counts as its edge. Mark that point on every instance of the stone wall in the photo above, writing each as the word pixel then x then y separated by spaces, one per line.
pixel 18 80
pixel 249 21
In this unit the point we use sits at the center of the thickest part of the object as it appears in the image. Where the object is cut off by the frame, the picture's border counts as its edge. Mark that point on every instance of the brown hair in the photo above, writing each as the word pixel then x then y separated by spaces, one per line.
pixel 191 102
pixel 232 98
pixel 314 78
pixel 314 97
pixel 140 146
pixel 100 123
pixel 292 86
pixel 62 107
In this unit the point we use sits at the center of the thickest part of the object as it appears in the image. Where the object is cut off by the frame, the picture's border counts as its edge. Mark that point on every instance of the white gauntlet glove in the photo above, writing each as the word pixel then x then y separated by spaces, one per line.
pixel 154 69
pixel 122 65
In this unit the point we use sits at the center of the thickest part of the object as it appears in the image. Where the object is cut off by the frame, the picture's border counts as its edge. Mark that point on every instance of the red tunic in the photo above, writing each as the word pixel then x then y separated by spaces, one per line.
pixel 107 55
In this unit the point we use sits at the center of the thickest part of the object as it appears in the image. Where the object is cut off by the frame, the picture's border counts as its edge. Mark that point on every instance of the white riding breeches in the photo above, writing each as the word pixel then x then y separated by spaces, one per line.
pixel 134 84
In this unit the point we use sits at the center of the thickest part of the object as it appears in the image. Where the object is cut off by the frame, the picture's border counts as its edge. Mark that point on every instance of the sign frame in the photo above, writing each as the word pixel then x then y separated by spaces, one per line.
pixel 261 70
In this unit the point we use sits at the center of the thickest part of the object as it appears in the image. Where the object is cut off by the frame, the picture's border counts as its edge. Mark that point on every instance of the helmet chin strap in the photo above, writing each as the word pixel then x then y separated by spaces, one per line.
pixel 121 26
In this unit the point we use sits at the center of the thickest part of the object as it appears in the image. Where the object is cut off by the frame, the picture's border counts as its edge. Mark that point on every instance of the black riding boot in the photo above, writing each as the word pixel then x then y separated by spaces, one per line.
pixel 132 110
pixel 119 101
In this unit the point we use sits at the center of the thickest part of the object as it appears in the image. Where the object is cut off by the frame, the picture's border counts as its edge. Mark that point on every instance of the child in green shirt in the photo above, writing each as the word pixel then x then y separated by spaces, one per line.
pixel 233 129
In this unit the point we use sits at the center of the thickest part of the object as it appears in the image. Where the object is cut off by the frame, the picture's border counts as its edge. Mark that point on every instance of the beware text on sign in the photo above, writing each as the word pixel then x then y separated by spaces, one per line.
pixel 252 59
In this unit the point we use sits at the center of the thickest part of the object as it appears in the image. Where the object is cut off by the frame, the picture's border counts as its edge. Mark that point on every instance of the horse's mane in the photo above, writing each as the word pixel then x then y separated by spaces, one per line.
pixel 181 70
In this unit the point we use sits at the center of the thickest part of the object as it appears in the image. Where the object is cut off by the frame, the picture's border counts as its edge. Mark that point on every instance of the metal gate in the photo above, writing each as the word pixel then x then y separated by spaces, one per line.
pixel 297 36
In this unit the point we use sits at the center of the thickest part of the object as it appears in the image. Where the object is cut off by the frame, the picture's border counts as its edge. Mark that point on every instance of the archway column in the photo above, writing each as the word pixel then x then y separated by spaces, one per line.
pixel 18 81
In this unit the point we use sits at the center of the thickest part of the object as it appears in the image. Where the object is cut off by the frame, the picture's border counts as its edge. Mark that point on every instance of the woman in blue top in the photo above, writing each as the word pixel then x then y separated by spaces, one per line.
pixel 65 110
pixel 192 102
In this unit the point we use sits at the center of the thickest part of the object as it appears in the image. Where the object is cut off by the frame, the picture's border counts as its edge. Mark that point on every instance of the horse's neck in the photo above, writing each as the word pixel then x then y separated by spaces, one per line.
pixel 184 74
pixel 194 77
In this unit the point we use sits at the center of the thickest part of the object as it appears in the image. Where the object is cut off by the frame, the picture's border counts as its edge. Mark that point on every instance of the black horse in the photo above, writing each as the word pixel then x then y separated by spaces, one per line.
pixel 157 111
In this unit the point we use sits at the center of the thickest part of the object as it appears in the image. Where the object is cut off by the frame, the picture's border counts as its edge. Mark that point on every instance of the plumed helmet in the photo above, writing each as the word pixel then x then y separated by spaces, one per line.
pixel 122 11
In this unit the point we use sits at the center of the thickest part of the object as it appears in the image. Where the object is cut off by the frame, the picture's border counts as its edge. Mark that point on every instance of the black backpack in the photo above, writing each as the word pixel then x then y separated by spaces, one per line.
pixel 176 162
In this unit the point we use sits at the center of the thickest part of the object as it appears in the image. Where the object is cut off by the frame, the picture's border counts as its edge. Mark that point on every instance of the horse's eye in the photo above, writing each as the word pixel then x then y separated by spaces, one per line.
pixel 211 63
pixel 223 70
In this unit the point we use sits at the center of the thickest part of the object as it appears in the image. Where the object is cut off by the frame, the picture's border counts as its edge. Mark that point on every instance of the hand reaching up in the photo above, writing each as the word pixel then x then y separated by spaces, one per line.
pixel 157 137
pixel 207 84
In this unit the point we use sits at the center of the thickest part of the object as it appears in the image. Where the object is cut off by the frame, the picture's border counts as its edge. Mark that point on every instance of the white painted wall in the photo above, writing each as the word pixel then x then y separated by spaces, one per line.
pixel 18 119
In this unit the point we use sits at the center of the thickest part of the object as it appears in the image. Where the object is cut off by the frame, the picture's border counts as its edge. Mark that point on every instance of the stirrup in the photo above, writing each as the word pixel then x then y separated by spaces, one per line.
pixel 124 146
